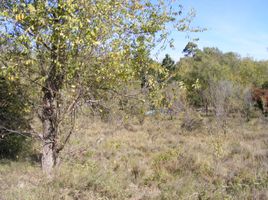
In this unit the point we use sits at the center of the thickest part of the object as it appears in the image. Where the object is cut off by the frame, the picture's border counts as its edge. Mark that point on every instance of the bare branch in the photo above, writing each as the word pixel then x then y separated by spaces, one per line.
pixel 62 145
pixel 32 134
pixel 69 109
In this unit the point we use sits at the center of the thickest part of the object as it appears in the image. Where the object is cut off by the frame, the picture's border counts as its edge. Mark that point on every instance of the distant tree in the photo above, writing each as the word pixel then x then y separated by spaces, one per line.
pixel 168 63
pixel 206 67
pixel 211 67
pixel 190 49
pixel 168 66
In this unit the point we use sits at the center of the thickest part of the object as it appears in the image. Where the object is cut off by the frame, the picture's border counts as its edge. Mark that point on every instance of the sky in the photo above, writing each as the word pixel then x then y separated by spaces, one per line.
pixel 240 26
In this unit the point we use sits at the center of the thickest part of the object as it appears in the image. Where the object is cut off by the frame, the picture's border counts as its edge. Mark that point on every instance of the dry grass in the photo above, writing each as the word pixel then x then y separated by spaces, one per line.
pixel 156 160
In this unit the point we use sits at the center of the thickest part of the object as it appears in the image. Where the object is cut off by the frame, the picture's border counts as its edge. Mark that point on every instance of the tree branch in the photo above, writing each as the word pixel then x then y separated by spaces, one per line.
pixel 24 134
pixel 62 145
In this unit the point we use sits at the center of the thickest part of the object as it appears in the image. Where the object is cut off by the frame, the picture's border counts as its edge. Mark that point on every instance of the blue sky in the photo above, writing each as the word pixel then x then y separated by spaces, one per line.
pixel 239 26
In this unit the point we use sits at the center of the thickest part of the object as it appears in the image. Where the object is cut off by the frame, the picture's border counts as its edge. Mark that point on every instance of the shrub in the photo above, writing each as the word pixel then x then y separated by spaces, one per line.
pixel 13 115
pixel 265 85
pixel 191 121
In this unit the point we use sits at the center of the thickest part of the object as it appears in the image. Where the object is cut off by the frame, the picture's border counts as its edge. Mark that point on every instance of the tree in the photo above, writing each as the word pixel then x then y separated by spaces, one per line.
pixel 207 67
pixel 167 71
pixel 190 49
pixel 168 63
pixel 74 49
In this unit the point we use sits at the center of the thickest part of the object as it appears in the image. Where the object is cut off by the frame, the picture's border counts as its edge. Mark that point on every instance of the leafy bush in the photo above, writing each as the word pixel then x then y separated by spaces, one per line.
pixel 265 85
pixel 222 72
pixel 14 111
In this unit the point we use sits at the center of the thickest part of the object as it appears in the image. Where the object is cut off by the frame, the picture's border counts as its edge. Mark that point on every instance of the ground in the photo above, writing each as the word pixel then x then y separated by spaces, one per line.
pixel 159 159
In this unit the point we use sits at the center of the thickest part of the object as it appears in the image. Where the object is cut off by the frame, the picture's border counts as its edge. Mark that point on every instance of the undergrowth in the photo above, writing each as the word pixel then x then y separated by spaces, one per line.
pixel 156 160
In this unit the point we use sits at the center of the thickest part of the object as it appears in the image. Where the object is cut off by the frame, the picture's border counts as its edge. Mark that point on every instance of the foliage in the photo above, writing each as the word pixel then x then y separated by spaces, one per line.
pixel 190 49
pixel 92 33
pixel 211 66
pixel 168 66
pixel 14 114
pixel 168 63
pixel 265 85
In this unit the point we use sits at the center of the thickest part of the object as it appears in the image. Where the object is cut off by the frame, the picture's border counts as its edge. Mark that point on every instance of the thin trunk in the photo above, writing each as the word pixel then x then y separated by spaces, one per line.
pixel 49 121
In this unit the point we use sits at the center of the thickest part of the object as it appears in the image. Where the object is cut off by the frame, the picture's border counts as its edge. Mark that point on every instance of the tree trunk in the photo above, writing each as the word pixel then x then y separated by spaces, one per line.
pixel 48 158
pixel 51 95
pixel 50 118
pixel 50 129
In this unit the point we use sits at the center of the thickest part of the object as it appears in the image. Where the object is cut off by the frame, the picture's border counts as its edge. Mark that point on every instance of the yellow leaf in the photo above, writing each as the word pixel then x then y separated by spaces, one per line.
pixel 96 43
pixel 31 8
pixel 19 17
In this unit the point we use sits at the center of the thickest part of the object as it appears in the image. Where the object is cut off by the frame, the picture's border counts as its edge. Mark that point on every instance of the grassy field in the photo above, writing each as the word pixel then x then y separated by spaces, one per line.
pixel 160 159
